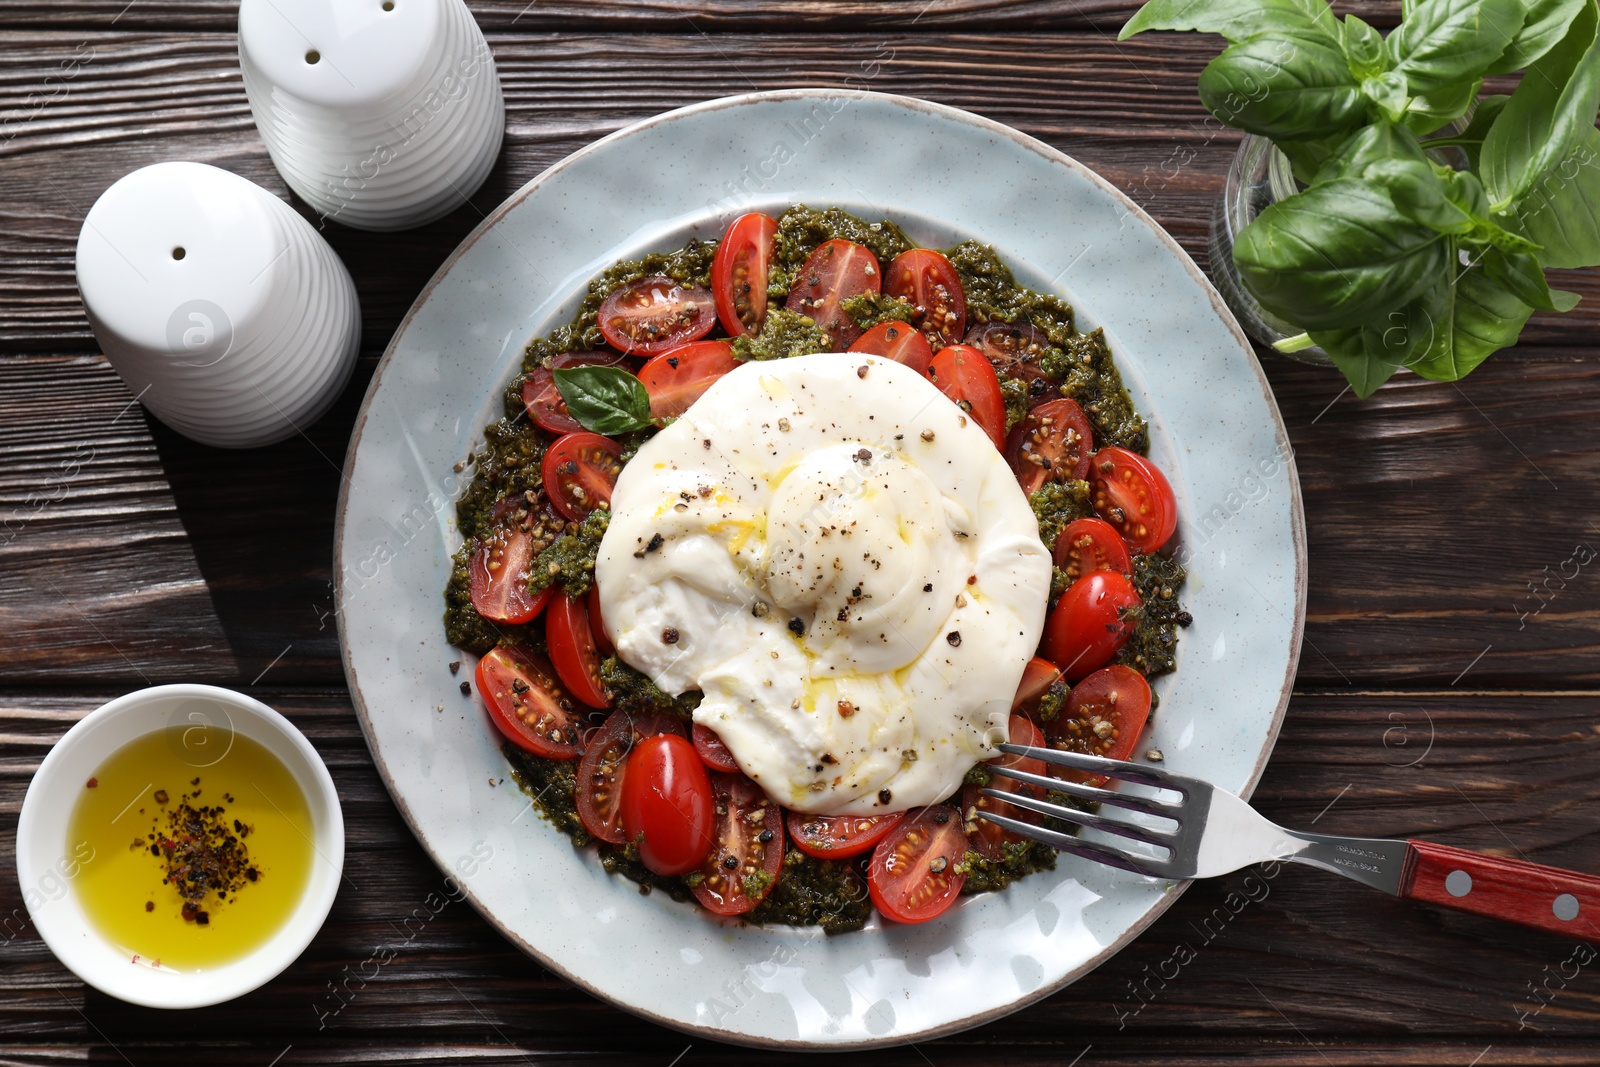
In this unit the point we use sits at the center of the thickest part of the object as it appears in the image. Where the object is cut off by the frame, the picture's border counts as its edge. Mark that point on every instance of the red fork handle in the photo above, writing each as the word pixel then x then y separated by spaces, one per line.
pixel 1530 894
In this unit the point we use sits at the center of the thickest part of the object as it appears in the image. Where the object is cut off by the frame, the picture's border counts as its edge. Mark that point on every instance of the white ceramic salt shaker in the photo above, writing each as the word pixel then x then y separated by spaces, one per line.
pixel 381 114
pixel 224 311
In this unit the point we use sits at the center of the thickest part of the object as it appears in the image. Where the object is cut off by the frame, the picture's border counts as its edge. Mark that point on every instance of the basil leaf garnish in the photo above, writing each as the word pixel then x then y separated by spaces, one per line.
pixel 607 400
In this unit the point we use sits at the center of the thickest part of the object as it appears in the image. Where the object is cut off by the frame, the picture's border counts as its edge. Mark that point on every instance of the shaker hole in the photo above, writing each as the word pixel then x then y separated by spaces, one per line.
pixel 313 56
pixel 388 5
pixel 178 253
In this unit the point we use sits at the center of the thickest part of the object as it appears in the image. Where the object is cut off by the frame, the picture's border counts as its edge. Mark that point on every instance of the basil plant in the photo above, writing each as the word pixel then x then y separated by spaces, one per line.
pixel 1388 257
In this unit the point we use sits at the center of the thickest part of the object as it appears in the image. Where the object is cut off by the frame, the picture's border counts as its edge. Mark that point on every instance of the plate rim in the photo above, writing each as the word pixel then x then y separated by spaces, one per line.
pixel 1027 142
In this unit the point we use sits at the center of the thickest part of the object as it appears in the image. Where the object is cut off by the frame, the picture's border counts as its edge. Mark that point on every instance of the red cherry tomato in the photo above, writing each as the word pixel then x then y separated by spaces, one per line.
pixel 543 399
pixel 1103 717
pixel 580 471
pixel 597 622
pixel 1088 545
pixel 1089 623
pixel 676 379
pixel 739 273
pixel 666 805
pixel 655 313
pixel 899 342
pixel 834 272
pixel 1015 350
pixel 1037 678
pixel 712 751
pixel 963 374
pixel 528 704
pixel 927 280
pixel 833 837
pixel 572 650
pixel 912 875
pixel 1052 444
pixel 1132 495
pixel 749 832
pixel 498 576
pixel 986 838
pixel 598 795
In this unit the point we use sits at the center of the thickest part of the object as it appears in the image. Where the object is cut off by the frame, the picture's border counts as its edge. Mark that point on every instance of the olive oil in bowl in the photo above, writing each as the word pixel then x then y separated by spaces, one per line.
pixel 198 861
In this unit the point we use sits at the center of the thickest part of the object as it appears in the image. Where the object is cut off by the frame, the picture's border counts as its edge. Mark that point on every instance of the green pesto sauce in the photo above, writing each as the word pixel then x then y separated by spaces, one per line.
pixel 1079 364
pixel 784 333
pixel 828 893
pixel 1150 650
pixel 870 309
pixel 1057 504
pixel 570 560
pixel 633 692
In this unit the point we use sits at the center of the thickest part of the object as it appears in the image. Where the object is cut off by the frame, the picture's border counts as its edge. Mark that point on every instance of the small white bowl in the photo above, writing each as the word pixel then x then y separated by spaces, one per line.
pixel 45 868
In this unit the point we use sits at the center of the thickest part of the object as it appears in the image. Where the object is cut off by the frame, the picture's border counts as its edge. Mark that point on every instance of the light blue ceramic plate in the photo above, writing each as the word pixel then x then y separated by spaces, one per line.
pixel 944 175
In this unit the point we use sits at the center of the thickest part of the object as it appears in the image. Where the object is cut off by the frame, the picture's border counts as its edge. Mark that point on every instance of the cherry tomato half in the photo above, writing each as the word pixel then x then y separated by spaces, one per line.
pixel 1090 623
pixel 897 341
pixel 655 313
pixel 1132 495
pixel 598 794
pixel 739 273
pixel 528 703
pixel 573 652
pixel 1103 717
pixel 713 753
pixel 580 470
pixel 1088 545
pixel 597 622
pixel 834 272
pixel 676 379
pixel 833 837
pixel 987 838
pixel 498 574
pixel 1052 444
pixel 1037 678
pixel 1015 350
pixel 747 858
pixel 963 374
pixel 666 805
pixel 543 399
pixel 912 875
pixel 927 280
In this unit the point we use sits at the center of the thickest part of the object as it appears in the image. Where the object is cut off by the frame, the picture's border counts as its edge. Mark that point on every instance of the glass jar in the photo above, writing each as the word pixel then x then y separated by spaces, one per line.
pixel 1259 176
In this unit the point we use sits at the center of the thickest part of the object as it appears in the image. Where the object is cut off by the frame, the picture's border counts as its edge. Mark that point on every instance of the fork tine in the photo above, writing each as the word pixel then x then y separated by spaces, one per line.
pixel 1130 772
pixel 1071 845
pixel 1085 818
pixel 1147 805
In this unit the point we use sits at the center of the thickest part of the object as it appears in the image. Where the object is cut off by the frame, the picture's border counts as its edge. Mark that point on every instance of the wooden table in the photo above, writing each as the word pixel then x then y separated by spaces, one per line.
pixel 1448 686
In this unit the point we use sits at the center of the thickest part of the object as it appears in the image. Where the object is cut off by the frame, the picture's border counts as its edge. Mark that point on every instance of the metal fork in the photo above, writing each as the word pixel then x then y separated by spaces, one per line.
pixel 1215 833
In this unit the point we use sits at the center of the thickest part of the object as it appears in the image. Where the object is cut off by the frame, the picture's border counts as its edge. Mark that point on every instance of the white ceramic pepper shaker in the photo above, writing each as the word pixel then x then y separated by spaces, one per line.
pixel 223 310
pixel 381 114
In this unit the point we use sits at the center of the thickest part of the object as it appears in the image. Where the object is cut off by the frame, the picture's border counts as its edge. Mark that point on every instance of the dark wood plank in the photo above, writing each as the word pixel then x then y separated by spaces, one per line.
pixel 1367 979
pixel 1130 111
pixel 661 16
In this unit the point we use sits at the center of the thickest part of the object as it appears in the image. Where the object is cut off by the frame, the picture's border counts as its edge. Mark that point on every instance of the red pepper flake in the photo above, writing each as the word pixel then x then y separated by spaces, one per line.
pixel 92 783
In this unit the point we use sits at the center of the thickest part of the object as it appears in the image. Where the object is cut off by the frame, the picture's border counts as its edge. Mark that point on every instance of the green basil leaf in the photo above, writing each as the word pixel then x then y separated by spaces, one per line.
pixel 1520 275
pixel 1371 144
pixel 1431 111
pixel 1336 255
pixel 1363 47
pixel 1546 24
pixel 1547 115
pixel 1400 338
pixel 1480 318
pixel 607 400
pixel 1307 158
pixel 1470 139
pixel 1349 352
pixel 1466 192
pixel 1444 42
pixel 1562 210
pixel 1420 194
pixel 1234 19
pixel 1389 92
pixel 1283 86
